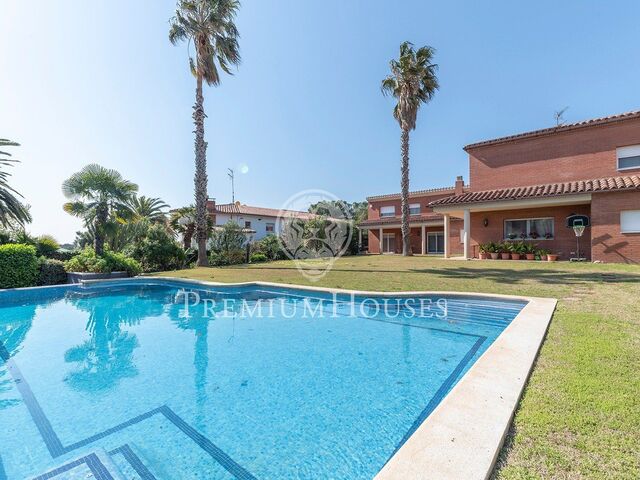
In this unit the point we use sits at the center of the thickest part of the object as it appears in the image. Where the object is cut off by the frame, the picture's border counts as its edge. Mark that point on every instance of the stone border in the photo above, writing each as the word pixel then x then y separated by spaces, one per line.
pixel 462 437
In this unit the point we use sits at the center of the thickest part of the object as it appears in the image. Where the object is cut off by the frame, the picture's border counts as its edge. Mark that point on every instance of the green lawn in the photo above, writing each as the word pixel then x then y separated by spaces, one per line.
pixel 580 414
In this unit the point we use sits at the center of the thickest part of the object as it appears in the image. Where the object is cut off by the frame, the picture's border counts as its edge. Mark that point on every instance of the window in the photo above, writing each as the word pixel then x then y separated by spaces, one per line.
pixel 271 227
pixel 628 157
pixel 630 221
pixel 247 224
pixel 389 211
pixel 529 229
pixel 414 209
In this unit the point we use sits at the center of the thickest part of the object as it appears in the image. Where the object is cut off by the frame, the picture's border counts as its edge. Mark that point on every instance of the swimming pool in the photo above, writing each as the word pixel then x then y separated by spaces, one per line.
pixel 179 380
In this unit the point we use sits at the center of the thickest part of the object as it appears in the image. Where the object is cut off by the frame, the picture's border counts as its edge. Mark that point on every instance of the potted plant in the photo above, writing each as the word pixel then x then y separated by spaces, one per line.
pixel 483 250
pixel 505 251
pixel 530 251
pixel 548 235
pixel 517 250
pixel 511 236
pixel 542 253
pixel 494 251
pixel 552 257
pixel 534 234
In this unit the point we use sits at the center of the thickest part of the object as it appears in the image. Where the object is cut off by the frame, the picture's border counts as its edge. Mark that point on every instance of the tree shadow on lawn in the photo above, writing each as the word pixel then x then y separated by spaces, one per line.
pixel 497 275
pixel 554 277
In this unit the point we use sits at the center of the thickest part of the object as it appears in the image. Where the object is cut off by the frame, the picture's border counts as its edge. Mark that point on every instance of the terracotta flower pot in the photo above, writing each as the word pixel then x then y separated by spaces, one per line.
pixel 552 257
pixel 531 256
pixel 482 256
pixel 494 256
pixel 505 255
pixel 516 256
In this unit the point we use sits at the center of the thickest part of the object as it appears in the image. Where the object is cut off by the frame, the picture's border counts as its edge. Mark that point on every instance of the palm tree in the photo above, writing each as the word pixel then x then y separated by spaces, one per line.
pixel 12 211
pixel 182 220
pixel 210 25
pixel 148 208
pixel 412 82
pixel 101 197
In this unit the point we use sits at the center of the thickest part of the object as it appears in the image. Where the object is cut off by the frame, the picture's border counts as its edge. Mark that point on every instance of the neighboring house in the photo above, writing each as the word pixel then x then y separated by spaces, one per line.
pixel 257 222
pixel 526 185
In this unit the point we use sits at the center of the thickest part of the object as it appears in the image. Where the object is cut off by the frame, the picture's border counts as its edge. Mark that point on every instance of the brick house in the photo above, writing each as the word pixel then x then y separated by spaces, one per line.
pixel 524 186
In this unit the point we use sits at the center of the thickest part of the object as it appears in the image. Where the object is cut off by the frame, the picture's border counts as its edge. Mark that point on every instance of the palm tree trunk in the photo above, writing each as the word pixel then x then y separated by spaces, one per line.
pixel 102 214
pixel 200 179
pixel 404 196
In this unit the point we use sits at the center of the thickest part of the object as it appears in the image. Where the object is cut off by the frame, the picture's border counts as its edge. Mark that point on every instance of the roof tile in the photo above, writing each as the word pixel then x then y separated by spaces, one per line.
pixel 625 182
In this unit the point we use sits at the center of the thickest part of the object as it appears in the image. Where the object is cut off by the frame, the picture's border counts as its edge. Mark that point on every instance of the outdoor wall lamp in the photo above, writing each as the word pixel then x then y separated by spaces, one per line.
pixel 486 222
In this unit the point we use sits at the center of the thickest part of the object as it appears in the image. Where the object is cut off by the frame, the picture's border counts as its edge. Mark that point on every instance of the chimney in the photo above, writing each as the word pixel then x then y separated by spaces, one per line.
pixel 211 205
pixel 459 187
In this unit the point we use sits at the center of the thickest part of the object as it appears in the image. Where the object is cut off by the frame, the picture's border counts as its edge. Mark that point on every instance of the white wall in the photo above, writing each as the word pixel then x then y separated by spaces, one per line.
pixel 258 223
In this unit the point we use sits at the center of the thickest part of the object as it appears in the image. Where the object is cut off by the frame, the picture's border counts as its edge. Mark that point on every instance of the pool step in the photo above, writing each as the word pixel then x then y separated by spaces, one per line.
pixel 96 465
pixel 129 460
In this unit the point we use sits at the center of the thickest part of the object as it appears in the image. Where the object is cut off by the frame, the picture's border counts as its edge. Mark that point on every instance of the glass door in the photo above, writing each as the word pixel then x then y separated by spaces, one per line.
pixel 435 242
pixel 389 243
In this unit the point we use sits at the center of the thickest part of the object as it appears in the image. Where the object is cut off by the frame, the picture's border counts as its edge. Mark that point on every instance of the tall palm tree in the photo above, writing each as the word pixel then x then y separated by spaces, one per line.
pixel 101 197
pixel 412 82
pixel 210 25
pixel 12 210
pixel 148 208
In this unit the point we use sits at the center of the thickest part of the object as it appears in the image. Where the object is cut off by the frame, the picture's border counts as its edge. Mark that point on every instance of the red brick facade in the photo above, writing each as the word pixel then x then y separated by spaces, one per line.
pixel 571 169
pixel 561 157
pixel 563 242
pixel 609 244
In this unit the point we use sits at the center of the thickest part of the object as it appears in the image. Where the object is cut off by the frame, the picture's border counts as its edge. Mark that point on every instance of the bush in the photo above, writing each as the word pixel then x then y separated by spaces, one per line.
pixel 46 246
pixel 227 245
pixel 269 246
pixel 51 272
pixel 157 251
pixel 88 261
pixel 258 258
pixel 18 266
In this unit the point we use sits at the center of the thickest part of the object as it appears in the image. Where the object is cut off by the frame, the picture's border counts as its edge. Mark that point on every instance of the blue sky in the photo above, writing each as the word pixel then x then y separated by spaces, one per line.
pixel 84 82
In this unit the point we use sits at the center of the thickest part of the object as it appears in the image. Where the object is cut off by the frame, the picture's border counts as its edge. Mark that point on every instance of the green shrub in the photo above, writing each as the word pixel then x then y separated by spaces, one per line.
pixel 269 246
pixel 18 266
pixel 227 245
pixel 258 257
pixel 46 246
pixel 157 251
pixel 51 272
pixel 88 261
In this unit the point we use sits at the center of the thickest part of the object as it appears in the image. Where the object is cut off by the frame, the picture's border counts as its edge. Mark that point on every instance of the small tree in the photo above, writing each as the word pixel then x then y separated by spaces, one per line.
pixel 227 245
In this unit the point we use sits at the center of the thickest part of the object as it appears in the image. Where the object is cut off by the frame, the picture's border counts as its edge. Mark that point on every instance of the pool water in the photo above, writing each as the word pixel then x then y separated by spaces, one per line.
pixel 118 370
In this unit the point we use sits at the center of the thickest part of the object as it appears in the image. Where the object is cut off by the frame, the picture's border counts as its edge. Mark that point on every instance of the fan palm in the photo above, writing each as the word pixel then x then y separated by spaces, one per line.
pixel 101 197
pixel 12 211
pixel 412 82
pixel 182 221
pixel 210 25
pixel 148 208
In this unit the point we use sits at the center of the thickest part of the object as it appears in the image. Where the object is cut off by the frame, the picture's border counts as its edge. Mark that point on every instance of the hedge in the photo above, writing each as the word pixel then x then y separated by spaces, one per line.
pixel 18 266
pixel 52 272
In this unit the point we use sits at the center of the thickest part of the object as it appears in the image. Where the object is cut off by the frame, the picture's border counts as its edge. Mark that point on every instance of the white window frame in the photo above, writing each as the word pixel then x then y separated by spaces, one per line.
pixel 415 205
pixel 387 214
pixel 632 212
pixel 528 220
pixel 627 152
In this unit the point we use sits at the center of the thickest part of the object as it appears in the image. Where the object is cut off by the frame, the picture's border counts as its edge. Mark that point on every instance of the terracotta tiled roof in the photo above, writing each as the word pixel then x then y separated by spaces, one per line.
pixel 417 193
pixel 412 219
pixel 626 182
pixel 562 128
pixel 240 209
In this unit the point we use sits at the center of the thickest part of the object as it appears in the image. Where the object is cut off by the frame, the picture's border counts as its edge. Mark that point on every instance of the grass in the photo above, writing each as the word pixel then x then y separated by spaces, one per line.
pixel 580 414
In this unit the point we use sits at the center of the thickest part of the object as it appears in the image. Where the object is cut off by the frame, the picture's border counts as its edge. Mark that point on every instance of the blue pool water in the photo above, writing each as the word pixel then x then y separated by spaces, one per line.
pixel 330 390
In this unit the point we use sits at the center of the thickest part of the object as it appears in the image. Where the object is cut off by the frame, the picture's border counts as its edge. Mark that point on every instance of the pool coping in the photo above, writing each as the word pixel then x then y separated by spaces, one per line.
pixel 462 437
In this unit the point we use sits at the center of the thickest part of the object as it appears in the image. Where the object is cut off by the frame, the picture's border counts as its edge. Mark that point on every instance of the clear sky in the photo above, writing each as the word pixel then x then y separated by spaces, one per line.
pixel 97 81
